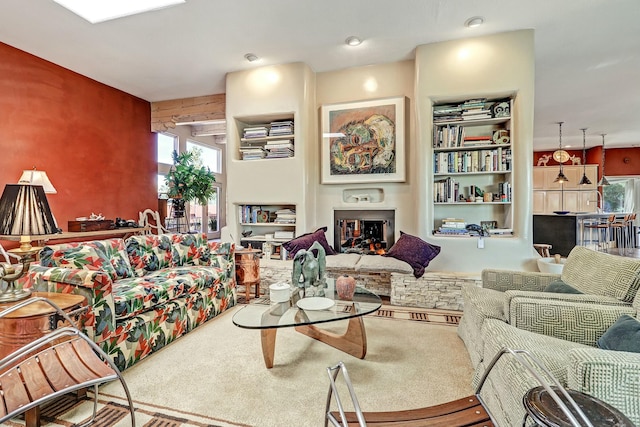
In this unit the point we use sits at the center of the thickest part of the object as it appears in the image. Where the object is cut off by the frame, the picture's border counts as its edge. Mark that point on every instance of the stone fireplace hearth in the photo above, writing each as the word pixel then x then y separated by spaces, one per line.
pixel 363 231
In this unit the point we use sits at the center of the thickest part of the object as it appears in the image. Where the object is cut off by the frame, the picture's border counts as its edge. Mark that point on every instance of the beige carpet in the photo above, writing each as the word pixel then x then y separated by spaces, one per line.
pixel 217 373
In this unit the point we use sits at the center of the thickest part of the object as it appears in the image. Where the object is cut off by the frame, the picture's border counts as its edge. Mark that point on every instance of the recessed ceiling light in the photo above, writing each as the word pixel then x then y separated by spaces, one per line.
pixel 96 11
pixel 353 41
pixel 251 57
pixel 473 22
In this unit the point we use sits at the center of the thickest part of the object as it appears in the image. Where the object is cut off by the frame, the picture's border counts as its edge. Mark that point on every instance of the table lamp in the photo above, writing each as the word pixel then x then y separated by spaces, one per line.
pixel 24 212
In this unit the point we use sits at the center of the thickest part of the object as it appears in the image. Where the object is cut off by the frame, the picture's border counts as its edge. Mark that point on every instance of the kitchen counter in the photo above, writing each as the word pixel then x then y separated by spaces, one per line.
pixel 564 232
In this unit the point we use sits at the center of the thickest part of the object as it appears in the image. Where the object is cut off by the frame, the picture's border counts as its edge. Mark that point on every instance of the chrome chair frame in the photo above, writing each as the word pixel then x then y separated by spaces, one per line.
pixel 529 362
pixel 45 342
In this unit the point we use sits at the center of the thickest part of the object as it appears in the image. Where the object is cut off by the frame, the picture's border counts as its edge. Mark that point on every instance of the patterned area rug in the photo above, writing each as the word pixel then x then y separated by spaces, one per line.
pixel 113 411
pixel 431 315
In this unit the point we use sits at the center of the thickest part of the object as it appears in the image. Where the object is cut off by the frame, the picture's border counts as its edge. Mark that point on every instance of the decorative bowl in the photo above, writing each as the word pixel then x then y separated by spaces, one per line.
pixel 561 212
pixel 549 265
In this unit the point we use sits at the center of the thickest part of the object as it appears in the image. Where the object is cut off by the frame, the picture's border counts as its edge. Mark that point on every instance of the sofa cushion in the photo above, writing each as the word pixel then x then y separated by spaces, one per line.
pixel 623 335
pixel 133 296
pixel 560 287
pixel 149 253
pixel 117 254
pixel 377 263
pixel 414 251
pixel 189 249
pixel 306 240
pixel 343 261
pixel 598 273
pixel 76 255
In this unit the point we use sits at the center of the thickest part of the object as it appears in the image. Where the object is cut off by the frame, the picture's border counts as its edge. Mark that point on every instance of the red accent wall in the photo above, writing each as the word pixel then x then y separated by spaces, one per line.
pixel 618 161
pixel 93 141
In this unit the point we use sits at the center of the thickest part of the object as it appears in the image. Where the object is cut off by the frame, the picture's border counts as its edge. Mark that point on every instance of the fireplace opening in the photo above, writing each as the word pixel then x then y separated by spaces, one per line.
pixel 365 232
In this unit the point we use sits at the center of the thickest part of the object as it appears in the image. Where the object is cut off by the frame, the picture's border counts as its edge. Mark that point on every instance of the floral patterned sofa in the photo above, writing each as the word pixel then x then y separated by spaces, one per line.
pixel 143 292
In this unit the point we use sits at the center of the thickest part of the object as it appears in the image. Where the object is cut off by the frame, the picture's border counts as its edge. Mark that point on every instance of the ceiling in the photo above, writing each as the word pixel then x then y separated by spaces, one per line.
pixel 587 51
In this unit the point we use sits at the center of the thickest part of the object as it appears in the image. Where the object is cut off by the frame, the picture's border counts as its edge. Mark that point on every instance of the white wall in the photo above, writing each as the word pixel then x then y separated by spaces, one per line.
pixel 496 64
pixel 364 83
pixel 265 94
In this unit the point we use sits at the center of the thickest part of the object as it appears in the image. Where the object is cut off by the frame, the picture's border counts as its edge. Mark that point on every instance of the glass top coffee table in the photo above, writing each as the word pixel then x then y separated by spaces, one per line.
pixel 268 317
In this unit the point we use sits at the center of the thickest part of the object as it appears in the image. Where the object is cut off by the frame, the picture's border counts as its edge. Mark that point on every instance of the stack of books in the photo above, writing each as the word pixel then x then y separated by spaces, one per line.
pixel 279 148
pixel 453 226
pixel 285 216
pixel 281 234
pixel 256 132
pixel 475 109
pixel 252 153
pixel 281 128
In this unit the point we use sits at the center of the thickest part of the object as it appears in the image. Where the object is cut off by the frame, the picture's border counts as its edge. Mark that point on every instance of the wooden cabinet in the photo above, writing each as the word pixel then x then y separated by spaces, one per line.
pixel 550 196
pixel 472 162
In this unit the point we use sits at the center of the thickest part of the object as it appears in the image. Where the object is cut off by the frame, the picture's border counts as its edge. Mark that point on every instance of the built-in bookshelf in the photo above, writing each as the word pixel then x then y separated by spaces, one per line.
pixel 261 223
pixel 472 164
pixel 273 140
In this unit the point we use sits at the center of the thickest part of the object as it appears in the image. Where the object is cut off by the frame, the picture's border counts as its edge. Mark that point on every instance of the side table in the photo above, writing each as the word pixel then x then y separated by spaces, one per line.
pixel 541 407
pixel 34 321
pixel 248 270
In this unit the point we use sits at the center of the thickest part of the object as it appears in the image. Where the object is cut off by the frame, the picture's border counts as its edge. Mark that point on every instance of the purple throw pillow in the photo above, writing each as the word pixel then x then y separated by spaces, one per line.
pixel 306 240
pixel 414 251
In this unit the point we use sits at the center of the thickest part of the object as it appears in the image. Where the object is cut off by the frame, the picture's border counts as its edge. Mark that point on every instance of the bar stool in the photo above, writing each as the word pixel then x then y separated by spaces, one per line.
pixel 619 231
pixel 602 229
pixel 543 249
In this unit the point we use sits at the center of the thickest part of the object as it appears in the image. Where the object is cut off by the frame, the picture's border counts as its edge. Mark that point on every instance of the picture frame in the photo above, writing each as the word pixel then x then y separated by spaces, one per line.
pixel 363 141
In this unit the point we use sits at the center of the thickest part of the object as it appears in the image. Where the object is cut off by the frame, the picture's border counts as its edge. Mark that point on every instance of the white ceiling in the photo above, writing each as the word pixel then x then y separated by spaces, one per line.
pixel 587 51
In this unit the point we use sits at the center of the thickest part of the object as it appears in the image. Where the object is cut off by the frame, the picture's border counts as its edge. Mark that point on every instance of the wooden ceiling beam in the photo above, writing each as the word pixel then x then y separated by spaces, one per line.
pixel 166 115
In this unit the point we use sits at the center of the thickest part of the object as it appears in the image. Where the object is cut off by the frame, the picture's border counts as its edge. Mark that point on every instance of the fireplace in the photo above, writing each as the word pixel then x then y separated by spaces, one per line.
pixel 363 231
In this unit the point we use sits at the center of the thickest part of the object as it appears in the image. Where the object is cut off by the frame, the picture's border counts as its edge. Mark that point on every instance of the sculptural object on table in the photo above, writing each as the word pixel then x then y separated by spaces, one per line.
pixel 309 270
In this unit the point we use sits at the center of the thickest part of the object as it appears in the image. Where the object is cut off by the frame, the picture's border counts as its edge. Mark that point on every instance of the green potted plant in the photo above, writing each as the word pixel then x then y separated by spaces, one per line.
pixel 188 180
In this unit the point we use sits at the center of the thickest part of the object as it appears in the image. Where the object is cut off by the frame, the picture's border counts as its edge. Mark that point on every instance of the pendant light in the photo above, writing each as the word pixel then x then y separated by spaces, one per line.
pixel 584 180
pixel 603 180
pixel 561 178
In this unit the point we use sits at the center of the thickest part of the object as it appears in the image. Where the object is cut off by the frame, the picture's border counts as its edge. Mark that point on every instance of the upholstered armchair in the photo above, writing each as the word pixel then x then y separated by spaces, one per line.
pixel 608 286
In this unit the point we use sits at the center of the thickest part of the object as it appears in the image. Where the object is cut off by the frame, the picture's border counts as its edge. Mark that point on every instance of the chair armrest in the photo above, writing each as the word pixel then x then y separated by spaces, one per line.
pixel 611 376
pixel 95 285
pixel 504 280
pixel 579 322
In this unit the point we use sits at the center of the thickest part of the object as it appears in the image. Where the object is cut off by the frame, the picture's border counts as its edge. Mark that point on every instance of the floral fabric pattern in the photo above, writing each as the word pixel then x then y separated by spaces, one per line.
pixel 190 249
pixel 149 253
pixel 108 255
pixel 129 318
pixel 135 295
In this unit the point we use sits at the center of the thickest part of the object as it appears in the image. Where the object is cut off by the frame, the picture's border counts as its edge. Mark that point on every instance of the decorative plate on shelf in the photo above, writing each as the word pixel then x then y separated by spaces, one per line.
pixel 560 156
pixel 315 303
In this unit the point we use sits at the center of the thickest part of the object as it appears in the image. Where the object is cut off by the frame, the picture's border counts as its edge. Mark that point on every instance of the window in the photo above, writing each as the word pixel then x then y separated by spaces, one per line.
pixel 622 195
pixel 167 144
pixel 210 157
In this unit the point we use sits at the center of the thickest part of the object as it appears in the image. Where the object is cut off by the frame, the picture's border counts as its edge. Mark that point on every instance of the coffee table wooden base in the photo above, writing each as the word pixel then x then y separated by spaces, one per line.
pixel 353 341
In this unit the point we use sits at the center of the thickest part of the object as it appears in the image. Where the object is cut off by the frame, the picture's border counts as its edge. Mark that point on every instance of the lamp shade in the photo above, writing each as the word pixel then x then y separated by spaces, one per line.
pixel 36 177
pixel 24 211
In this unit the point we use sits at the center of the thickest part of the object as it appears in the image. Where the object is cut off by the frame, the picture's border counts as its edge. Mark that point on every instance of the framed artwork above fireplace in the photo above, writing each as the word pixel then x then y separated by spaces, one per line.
pixel 363 141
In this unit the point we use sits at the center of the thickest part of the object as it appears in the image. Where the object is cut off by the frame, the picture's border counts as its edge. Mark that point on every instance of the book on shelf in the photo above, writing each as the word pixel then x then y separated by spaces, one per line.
pixel 500 231
pixel 283 234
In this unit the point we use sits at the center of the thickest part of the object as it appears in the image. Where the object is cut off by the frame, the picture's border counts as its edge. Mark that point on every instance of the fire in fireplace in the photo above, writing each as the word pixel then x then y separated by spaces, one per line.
pixel 365 232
